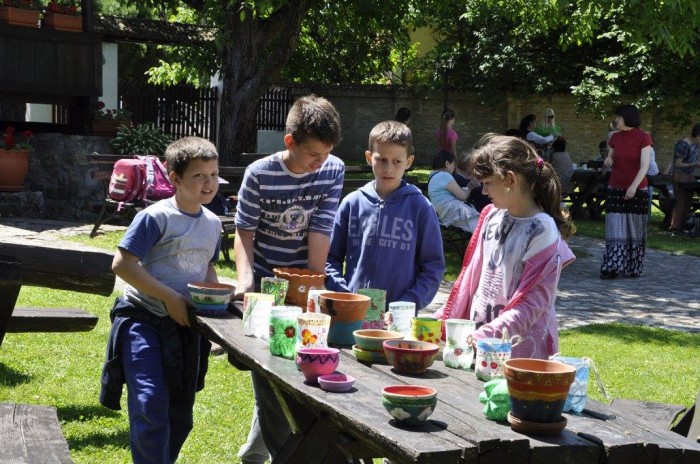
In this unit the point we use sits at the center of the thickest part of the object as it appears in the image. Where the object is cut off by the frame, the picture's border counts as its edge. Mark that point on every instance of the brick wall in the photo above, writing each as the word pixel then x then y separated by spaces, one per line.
pixel 361 108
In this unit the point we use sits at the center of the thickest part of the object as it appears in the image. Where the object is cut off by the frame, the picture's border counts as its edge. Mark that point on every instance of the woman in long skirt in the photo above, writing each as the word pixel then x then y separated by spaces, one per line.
pixel 627 203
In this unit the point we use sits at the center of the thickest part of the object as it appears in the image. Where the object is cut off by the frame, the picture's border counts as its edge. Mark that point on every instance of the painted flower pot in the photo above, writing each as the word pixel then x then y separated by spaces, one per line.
pixel 409 404
pixel 410 356
pixel 14 165
pixel 458 352
pixel 300 282
pixel 538 388
pixel 373 339
pixel 347 311
pixel 314 362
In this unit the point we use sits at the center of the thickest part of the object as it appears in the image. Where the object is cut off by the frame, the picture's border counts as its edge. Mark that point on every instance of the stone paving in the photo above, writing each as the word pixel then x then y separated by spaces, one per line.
pixel 665 295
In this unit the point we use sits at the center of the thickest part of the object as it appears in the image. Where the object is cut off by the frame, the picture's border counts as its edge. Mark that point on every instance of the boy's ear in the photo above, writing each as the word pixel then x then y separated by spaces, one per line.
pixel 174 179
pixel 288 141
pixel 409 161
pixel 368 157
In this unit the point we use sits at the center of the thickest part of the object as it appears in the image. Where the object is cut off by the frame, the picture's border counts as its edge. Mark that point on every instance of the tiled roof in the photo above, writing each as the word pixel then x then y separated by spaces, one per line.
pixel 151 31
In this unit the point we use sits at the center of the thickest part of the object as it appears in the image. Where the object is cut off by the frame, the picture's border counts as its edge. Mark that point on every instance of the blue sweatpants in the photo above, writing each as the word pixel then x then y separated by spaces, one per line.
pixel 159 418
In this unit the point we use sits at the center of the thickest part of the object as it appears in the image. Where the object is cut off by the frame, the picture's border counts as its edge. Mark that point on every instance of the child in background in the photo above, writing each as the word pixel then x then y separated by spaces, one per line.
pixel 152 346
pixel 514 259
pixel 286 206
pixel 447 197
pixel 387 223
pixel 445 136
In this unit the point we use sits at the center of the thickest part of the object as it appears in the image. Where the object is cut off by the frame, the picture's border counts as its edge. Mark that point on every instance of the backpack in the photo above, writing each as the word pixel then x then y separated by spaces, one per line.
pixel 143 177
pixel 158 184
pixel 692 226
pixel 128 181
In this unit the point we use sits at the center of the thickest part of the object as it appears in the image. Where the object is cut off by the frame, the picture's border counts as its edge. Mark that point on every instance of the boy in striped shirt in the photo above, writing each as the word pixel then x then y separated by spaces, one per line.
pixel 284 218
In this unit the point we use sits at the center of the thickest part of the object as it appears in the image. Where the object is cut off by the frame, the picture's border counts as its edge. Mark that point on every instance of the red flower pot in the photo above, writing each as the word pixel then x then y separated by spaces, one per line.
pixel 62 22
pixel 14 165
pixel 19 17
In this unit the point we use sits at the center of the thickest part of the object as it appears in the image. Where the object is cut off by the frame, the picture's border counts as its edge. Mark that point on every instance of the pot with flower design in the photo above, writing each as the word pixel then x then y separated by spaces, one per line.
pixel 108 121
pixel 63 15
pixel 24 13
pixel 14 159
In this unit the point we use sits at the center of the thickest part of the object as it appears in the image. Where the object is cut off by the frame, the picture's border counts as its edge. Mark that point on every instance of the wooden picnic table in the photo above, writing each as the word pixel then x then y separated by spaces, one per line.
pixel 346 427
pixel 587 182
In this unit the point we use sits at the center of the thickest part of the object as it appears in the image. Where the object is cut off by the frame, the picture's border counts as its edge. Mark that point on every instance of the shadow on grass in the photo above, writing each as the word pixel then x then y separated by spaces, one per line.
pixel 98 439
pixel 10 377
pixel 639 334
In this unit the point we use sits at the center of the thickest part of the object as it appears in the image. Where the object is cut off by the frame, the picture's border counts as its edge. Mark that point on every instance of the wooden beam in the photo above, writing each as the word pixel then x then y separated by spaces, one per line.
pixel 10 284
pixel 51 320
pixel 61 264
pixel 31 433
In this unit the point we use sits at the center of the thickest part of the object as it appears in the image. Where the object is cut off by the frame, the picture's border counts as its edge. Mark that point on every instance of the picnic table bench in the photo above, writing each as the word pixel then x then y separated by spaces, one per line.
pixel 31 434
pixel 353 426
pixel 50 264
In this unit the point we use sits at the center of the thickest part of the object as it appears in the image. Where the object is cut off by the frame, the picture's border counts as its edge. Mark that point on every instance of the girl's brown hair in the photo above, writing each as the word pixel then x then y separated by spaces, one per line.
pixel 446 116
pixel 498 154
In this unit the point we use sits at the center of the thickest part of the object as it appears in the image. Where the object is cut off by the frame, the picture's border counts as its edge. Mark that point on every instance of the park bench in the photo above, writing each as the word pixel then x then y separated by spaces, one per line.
pixel 50 264
pixel 31 434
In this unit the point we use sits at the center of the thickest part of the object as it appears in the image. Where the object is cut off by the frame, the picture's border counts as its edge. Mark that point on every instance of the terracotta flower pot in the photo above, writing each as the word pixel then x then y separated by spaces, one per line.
pixel 300 282
pixel 106 126
pixel 14 165
pixel 538 388
pixel 62 22
pixel 19 17
pixel 347 311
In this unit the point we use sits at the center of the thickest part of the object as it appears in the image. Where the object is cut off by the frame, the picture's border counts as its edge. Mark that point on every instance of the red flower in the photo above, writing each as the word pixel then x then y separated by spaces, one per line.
pixel 11 142
pixel 100 104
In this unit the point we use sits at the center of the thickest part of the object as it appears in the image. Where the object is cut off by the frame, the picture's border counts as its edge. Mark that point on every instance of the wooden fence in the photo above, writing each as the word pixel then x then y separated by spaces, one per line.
pixel 273 109
pixel 179 110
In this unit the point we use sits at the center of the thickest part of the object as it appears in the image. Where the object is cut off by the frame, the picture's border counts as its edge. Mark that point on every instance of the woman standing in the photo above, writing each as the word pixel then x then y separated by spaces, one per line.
pixel 445 135
pixel 626 207
pixel 448 198
pixel 685 160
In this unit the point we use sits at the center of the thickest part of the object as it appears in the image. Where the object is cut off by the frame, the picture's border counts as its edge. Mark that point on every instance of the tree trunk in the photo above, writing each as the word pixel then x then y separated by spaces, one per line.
pixel 254 52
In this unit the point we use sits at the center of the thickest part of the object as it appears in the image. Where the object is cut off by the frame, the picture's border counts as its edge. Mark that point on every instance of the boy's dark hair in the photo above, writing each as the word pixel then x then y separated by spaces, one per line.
pixel 441 158
pixel 403 114
pixel 313 117
pixel 695 131
pixel 559 144
pixel 179 153
pixel 391 132
pixel 630 114
pixel 501 154
pixel 603 144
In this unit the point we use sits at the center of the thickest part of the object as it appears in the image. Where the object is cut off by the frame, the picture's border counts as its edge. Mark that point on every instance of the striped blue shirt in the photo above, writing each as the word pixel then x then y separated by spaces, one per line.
pixel 283 207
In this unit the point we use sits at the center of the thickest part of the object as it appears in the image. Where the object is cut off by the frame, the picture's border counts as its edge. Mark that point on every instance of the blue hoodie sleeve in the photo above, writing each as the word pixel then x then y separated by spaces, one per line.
pixel 430 258
pixel 336 256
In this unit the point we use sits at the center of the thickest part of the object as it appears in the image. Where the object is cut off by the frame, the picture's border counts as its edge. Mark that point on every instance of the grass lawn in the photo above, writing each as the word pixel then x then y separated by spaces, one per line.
pixel 63 370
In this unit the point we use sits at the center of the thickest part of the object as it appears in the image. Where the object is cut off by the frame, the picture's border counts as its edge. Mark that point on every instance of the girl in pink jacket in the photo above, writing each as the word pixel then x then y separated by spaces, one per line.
pixel 512 265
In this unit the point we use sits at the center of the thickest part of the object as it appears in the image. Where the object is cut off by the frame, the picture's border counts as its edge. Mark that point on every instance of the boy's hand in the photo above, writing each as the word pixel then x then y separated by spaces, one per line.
pixel 388 320
pixel 177 309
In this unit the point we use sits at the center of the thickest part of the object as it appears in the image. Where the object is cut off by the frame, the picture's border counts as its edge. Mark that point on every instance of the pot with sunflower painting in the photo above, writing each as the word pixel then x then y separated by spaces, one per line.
pixel 313 330
pixel 458 352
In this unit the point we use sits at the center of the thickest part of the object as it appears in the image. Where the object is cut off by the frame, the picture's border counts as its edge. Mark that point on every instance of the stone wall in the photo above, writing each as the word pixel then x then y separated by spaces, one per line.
pixel 362 107
pixel 58 168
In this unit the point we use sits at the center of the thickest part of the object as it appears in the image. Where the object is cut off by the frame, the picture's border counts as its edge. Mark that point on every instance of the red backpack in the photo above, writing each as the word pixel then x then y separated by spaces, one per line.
pixel 143 177
pixel 128 181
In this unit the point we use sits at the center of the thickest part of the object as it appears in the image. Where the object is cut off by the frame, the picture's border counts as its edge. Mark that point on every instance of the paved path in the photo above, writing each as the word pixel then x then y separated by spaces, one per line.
pixel 665 295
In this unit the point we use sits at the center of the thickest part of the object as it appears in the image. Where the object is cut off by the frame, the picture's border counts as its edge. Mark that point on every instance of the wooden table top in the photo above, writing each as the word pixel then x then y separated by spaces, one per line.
pixel 457 432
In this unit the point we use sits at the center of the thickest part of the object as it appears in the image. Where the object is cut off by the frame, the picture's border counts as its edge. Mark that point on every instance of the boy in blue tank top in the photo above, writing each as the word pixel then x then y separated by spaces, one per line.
pixel 284 217
pixel 153 347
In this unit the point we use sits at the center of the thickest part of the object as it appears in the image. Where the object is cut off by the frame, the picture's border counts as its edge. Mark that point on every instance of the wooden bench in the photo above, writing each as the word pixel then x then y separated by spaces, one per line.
pixel 50 264
pixel 31 434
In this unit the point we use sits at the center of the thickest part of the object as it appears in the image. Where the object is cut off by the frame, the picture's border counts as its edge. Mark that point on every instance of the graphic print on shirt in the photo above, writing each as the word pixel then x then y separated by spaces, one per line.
pixel 388 232
pixel 506 242
pixel 286 216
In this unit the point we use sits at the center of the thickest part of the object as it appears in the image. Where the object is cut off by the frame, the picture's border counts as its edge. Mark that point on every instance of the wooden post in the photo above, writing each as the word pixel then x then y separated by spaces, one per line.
pixel 10 284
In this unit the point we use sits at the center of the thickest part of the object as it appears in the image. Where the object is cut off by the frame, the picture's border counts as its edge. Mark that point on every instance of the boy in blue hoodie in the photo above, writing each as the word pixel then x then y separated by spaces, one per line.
pixel 387 233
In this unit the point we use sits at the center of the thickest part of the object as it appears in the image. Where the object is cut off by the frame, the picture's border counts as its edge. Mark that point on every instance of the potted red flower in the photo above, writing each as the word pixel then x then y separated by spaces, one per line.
pixel 63 15
pixel 23 13
pixel 14 159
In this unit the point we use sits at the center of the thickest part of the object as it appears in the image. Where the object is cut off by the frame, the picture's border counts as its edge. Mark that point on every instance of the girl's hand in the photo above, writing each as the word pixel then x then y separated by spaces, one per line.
pixel 608 162
pixel 629 194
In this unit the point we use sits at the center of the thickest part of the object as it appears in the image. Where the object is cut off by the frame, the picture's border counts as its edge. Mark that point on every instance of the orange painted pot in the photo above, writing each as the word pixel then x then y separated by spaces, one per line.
pixel 300 282
pixel 14 165
pixel 347 311
pixel 538 388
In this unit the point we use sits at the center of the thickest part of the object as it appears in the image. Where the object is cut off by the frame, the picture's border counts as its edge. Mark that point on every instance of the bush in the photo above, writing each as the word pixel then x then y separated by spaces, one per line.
pixel 144 139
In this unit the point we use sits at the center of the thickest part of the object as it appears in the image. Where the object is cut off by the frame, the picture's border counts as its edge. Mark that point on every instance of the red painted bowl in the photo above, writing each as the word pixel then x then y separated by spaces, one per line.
pixel 410 356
